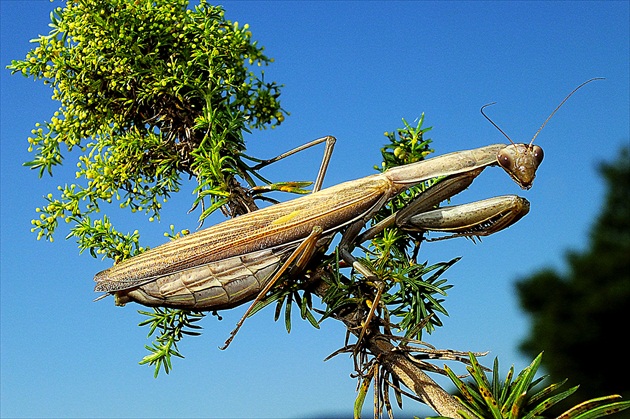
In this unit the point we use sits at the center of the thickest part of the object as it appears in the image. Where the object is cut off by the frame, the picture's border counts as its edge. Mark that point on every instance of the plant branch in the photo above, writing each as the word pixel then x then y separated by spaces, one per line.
pixel 397 362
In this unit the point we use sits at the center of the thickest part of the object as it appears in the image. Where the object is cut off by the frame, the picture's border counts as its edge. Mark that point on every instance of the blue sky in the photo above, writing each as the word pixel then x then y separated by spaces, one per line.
pixel 352 70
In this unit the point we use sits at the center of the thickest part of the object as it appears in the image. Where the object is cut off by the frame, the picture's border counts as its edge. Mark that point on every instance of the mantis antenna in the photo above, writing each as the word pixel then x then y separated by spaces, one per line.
pixel 546 120
pixel 492 122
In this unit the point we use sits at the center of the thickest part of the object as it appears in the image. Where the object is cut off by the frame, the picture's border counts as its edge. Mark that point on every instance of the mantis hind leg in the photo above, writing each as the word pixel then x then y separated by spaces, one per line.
pixel 301 255
pixel 305 250
pixel 328 150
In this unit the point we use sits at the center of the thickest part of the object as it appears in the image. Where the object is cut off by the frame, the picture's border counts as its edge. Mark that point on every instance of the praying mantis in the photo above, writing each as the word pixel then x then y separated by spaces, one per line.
pixel 240 259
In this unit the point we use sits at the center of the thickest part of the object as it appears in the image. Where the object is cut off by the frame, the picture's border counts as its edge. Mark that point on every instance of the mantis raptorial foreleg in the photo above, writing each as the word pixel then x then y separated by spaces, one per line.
pixel 475 219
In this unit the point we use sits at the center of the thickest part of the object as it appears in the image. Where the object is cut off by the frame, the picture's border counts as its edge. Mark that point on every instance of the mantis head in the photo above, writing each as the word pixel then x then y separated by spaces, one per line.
pixel 521 161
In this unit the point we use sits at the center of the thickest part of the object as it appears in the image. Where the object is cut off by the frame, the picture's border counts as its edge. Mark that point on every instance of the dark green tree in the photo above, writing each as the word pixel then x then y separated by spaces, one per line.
pixel 580 318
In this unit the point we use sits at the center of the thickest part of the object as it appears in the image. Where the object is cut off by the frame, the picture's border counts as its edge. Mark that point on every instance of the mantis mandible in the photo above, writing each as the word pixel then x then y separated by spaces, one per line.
pixel 227 264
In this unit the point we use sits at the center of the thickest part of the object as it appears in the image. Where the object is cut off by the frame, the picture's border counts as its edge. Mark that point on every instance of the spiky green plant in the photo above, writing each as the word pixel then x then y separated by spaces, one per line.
pixel 521 398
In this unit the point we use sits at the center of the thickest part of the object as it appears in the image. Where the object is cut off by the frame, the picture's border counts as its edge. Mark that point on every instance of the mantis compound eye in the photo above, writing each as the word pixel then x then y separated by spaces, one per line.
pixel 537 154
